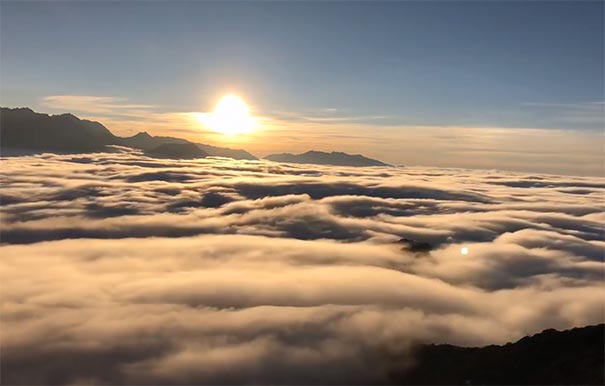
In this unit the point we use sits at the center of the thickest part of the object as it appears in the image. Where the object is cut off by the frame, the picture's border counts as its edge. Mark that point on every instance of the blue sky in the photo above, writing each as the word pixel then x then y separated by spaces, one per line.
pixel 461 63
pixel 437 63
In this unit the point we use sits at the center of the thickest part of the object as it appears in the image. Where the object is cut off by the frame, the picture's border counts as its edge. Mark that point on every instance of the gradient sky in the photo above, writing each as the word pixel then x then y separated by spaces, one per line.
pixel 340 75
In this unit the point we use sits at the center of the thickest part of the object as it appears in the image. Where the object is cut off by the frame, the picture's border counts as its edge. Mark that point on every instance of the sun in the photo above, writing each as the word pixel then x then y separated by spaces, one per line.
pixel 230 116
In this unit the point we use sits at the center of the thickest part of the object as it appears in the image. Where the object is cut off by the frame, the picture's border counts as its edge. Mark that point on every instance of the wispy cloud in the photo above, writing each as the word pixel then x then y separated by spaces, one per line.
pixel 108 105
pixel 584 113
pixel 330 115
pixel 584 105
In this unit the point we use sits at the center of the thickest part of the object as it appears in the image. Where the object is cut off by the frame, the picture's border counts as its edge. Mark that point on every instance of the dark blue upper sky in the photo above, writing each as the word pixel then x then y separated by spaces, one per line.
pixel 508 64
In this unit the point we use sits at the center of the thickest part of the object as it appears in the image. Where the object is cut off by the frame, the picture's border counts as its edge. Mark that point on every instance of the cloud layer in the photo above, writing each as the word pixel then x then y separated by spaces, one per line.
pixel 118 268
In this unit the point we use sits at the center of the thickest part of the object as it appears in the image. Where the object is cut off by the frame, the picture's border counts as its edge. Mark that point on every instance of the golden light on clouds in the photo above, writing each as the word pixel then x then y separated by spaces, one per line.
pixel 231 116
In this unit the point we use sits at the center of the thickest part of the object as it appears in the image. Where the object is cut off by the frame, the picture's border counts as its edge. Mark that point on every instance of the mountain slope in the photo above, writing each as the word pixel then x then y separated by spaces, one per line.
pixel 176 150
pixel 323 158
pixel 226 152
pixel 551 357
pixel 22 128
pixel 145 141
pixel 25 129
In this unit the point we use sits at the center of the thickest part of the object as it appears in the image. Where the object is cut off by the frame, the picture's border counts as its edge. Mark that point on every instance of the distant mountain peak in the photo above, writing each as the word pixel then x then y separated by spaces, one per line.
pixel 22 128
pixel 142 134
pixel 323 158
pixel 21 109
pixel 177 150
pixel 70 116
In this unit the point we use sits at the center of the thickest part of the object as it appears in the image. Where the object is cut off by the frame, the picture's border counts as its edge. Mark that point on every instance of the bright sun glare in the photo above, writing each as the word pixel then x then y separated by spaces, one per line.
pixel 230 116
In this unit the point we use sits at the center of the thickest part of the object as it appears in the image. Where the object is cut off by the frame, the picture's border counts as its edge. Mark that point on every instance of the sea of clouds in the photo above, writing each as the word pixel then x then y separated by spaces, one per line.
pixel 118 268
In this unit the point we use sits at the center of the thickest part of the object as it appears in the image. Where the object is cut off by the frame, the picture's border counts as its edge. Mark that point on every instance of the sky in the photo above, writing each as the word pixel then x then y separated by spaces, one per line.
pixel 513 85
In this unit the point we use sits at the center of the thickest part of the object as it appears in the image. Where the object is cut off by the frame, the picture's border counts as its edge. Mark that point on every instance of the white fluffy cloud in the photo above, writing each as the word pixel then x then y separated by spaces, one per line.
pixel 117 268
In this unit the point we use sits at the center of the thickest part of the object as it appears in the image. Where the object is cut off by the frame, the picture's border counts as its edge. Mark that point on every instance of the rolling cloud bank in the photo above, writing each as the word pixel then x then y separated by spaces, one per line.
pixel 120 268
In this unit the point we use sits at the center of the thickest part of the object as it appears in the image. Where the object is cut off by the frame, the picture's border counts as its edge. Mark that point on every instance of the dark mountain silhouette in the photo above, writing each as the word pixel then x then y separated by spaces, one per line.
pixel 226 152
pixel 323 158
pixel 176 150
pixel 22 128
pixel 147 142
pixel 571 357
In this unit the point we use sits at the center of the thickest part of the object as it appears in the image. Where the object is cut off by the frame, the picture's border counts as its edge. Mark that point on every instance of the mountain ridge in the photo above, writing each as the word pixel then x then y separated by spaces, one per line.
pixel 324 158
pixel 574 356
pixel 23 128
pixel 177 150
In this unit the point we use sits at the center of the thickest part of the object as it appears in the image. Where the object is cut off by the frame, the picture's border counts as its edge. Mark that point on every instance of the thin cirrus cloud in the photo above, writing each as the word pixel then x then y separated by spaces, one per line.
pixel 96 105
pixel 587 113
pixel 147 271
